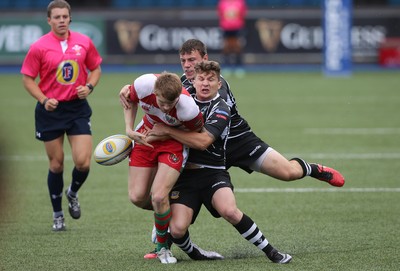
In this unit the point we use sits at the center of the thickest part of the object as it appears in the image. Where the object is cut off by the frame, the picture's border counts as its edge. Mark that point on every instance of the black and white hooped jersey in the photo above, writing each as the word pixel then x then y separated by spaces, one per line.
pixel 217 116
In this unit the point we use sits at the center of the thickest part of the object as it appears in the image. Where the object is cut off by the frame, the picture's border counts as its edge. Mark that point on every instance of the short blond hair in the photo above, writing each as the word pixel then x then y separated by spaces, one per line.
pixel 168 85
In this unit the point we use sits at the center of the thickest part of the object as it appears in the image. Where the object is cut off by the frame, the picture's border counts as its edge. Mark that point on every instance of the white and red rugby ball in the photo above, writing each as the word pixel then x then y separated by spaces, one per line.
pixel 112 150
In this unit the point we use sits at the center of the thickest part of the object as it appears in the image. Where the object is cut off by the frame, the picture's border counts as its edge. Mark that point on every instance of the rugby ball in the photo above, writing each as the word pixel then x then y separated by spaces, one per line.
pixel 112 150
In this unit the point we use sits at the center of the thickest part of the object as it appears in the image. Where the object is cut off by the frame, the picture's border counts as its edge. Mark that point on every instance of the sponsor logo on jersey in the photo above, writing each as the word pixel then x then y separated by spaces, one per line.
pixel 67 72
pixel 222 112
pixel 221 116
pixel 170 119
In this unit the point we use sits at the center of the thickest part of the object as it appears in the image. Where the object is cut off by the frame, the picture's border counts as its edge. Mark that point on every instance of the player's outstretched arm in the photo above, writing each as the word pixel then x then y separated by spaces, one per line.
pixel 196 140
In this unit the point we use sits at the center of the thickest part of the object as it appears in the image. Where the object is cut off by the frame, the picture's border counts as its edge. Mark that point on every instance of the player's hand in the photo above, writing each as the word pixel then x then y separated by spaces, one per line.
pixel 139 138
pixel 152 138
pixel 51 104
pixel 124 97
pixel 82 92
pixel 159 129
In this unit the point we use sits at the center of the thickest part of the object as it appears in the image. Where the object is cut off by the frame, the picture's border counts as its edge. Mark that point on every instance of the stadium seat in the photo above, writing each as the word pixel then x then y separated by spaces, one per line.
pixel 23 4
pixel 6 3
pixel 122 3
pixel 41 3
pixel 188 3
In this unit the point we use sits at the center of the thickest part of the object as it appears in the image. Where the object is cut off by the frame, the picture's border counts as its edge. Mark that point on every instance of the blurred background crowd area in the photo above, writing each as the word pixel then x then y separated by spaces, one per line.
pixel 121 4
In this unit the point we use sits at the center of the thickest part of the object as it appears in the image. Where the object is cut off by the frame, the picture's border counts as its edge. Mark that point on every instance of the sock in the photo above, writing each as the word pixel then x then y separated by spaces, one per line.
pixel 307 168
pixel 193 251
pixel 58 214
pixel 249 230
pixel 55 183
pixel 78 178
pixel 314 171
pixel 184 243
pixel 161 222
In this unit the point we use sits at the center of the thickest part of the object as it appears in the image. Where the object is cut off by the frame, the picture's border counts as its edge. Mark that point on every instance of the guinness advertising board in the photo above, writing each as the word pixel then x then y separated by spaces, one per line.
pixel 270 37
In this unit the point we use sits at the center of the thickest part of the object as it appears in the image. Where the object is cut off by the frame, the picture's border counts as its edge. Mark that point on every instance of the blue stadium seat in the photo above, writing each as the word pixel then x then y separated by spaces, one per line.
pixel 23 4
pixel 42 3
pixel 6 3
pixel 188 3
pixel 166 3
pixel 122 3
pixel 146 3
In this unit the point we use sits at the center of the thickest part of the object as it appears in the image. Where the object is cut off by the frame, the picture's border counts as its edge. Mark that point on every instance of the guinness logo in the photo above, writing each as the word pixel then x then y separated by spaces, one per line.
pixel 128 34
pixel 269 32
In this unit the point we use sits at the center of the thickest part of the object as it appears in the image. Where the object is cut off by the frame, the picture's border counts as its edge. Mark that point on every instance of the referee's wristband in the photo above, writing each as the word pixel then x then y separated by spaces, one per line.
pixel 90 87
pixel 45 101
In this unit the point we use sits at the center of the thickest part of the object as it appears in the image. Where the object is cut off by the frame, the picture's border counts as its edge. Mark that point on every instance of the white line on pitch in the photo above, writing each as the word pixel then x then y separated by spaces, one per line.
pixel 352 131
pixel 341 156
pixel 344 156
pixel 310 190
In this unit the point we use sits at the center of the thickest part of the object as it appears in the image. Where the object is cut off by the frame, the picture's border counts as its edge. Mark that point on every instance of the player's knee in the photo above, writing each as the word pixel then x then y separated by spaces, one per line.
pixel 83 165
pixel 284 173
pixel 159 199
pixel 232 215
pixel 140 201
pixel 288 175
pixel 56 166
pixel 177 230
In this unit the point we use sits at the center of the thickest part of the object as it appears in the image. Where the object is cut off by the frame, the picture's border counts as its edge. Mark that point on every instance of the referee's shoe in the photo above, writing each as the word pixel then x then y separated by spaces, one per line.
pixel 73 206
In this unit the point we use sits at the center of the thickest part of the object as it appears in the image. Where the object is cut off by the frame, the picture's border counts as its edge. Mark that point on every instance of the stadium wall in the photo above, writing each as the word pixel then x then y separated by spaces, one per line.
pixel 287 36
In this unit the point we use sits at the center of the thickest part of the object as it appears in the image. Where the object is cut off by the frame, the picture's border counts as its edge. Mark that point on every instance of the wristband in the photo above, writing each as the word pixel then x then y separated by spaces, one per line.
pixel 90 86
pixel 45 101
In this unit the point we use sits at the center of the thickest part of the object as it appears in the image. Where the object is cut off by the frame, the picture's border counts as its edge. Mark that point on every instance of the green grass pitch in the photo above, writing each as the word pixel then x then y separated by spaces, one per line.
pixel 352 124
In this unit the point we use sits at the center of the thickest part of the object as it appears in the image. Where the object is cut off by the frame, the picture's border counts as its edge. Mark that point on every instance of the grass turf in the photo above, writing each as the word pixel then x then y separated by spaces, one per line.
pixel 351 124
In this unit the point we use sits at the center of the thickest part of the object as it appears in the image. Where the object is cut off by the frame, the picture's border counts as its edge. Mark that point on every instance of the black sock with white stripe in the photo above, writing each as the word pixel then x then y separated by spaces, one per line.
pixel 304 165
pixel 249 230
pixel 185 243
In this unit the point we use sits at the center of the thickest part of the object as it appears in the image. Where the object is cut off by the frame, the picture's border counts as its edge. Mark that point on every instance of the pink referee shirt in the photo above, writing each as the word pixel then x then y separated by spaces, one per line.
pixel 62 65
pixel 232 14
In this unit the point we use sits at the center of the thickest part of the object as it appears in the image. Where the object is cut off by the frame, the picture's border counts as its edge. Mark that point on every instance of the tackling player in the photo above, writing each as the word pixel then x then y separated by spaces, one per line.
pixel 204 179
pixel 244 149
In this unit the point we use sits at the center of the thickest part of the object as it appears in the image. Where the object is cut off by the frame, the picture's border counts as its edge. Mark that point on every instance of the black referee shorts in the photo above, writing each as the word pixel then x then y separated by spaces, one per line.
pixel 197 186
pixel 72 118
